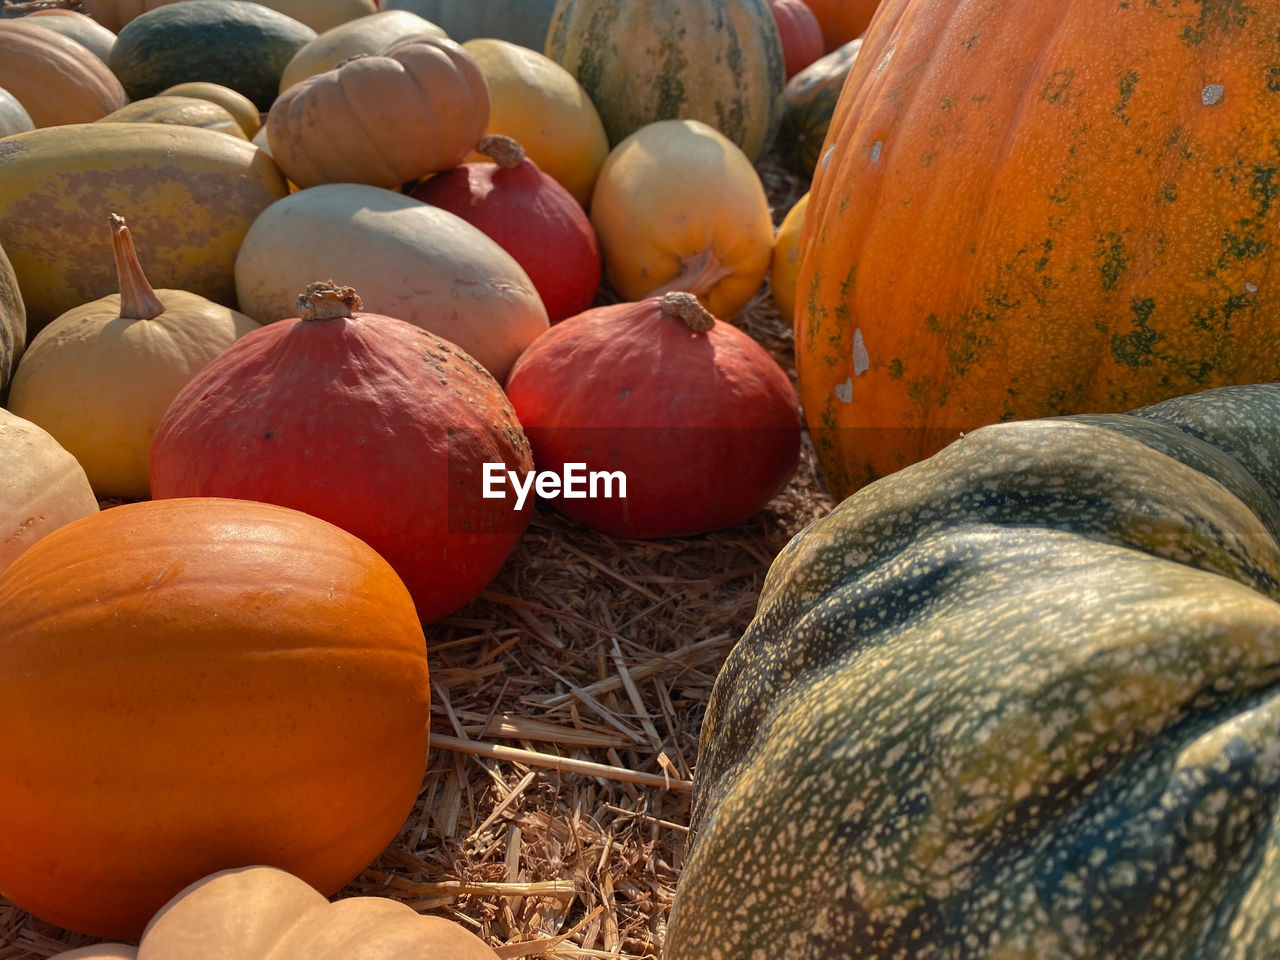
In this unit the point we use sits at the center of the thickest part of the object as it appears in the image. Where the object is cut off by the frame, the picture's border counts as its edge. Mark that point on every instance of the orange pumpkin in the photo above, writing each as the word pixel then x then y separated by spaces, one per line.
pixel 192 685
pixel 384 120
pixel 56 79
pixel 1028 212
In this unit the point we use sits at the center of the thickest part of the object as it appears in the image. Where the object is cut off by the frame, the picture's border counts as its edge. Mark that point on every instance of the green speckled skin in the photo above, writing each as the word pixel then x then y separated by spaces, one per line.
pixel 1017 701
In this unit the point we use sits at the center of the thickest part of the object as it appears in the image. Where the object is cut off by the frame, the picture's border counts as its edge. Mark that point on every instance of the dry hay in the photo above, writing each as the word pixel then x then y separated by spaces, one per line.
pixel 589 650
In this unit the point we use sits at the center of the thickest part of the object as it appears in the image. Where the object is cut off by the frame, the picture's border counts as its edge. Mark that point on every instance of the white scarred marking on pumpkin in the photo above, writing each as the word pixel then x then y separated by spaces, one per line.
pixel 1211 94
pixel 826 157
pixel 861 360
pixel 888 55
pixel 875 151
pixel 844 391
pixel 1250 287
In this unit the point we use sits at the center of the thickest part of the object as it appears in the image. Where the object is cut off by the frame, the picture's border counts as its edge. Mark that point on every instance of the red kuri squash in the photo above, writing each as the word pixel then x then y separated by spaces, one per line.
pixel 800 32
pixel 366 421
pixel 700 421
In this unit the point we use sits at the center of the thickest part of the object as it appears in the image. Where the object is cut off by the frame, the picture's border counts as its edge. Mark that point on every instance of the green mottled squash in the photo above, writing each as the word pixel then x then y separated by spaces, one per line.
pixel 808 101
pixel 641 61
pixel 1017 701
pixel 236 43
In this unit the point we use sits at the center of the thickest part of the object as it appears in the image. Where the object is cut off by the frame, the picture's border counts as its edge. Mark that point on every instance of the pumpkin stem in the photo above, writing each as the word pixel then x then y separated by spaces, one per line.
pixel 138 301
pixel 698 274
pixel 328 301
pixel 684 305
pixel 502 150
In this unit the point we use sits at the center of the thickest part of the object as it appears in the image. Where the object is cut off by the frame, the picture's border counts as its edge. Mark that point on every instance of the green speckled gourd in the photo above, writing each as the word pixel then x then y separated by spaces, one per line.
pixel 1018 701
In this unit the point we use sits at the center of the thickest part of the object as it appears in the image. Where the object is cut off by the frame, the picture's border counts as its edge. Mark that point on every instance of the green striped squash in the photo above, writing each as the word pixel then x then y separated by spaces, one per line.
pixel 808 102
pixel 1017 701
pixel 640 61
pixel 235 43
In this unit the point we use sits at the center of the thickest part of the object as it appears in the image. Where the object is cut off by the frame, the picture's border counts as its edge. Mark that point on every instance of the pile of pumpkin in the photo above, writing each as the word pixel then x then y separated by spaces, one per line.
pixel 280 284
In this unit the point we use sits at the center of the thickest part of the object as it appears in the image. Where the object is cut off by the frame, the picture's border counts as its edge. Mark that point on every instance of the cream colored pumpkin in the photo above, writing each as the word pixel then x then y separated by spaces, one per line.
pixel 365 35
pixel 41 486
pixel 678 206
pixel 540 104
pixel 257 912
pixel 100 376
pixel 58 80
pixel 408 259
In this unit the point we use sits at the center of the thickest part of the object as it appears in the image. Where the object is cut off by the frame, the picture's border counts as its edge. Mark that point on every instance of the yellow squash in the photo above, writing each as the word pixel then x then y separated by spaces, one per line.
pixel 233 101
pixel 183 111
pixel 785 263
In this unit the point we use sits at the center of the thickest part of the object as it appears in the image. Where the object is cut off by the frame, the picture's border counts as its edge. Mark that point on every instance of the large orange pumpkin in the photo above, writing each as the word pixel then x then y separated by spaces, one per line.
pixel 192 685
pixel 1025 211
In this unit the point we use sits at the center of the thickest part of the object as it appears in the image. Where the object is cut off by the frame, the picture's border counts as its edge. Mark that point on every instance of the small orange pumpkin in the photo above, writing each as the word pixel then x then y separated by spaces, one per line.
pixel 418 108
pixel 191 685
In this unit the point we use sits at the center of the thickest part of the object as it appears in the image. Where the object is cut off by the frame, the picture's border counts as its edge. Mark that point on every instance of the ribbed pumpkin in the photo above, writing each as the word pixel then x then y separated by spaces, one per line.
pixel 367 421
pixel 80 27
pixel 808 102
pixel 260 912
pixel 235 103
pixel 41 486
pixel 1020 696
pixel 531 216
pixel 1028 216
pixel 183 111
pixel 518 21
pixel 646 60
pixel 536 101
pixel 100 377
pixel 235 43
pixel 800 33
pixel 59 185
pixel 785 261
pixel 409 260
pixel 56 79
pixel 193 685
pixel 13 323
pixel 678 207
pixel 13 115
pixel 370 34
pixel 842 20
pixel 419 107
pixel 697 417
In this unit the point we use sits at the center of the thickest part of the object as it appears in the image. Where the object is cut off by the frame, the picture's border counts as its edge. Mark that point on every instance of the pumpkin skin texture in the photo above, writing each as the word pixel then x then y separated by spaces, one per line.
pixel 251 913
pixel 1035 284
pixel 517 21
pixel 537 102
pixel 344 413
pixel 1022 694
pixel 697 416
pixel 56 79
pixel 236 104
pixel 531 216
pixel 464 287
pixel 808 102
pixel 800 32
pixel 59 185
pixel 42 486
pixel 369 34
pixel 251 687
pixel 431 79
pixel 678 207
pixel 100 377
pixel 786 259
pixel 641 61
pixel 184 111
pixel 235 43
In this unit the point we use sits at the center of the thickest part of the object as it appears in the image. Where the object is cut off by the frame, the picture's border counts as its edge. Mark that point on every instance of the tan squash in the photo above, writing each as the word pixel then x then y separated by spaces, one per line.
pixel 100 377
pixel 56 79
pixel 540 104
pixel 365 35
pixel 678 206
pixel 233 101
pixel 384 120
pixel 182 111
pixel 408 259
pixel 42 486
pixel 80 27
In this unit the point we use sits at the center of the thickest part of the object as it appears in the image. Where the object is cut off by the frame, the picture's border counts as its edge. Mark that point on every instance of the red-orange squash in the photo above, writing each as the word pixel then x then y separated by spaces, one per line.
pixel 367 421
pixel 56 79
pixel 842 20
pixel 678 423
pixel 800 32
pixel 1033 211
pixel 192 685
